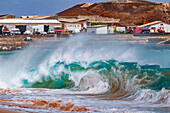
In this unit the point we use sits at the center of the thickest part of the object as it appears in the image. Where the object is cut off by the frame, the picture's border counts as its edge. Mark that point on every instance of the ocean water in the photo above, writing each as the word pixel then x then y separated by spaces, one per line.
pixel 96 73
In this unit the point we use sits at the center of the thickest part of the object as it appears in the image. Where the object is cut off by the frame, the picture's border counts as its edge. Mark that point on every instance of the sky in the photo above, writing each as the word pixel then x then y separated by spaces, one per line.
pixel 42 7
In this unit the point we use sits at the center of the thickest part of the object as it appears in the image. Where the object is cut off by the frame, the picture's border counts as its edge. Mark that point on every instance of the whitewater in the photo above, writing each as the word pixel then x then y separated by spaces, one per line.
pixel 85 74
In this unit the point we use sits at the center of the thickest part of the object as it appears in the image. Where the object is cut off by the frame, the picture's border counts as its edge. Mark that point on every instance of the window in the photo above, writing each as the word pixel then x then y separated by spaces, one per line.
pixel 161 28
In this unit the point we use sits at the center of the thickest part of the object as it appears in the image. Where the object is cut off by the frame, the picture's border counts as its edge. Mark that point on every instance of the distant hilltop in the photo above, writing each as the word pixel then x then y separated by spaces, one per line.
pixel 125 1
pixel 133 12
pixel 6 16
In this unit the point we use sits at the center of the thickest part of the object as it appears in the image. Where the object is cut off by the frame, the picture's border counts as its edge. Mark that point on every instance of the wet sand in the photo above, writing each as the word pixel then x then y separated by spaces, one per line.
pixel 42 104
pixel 38 104
pixel 8 111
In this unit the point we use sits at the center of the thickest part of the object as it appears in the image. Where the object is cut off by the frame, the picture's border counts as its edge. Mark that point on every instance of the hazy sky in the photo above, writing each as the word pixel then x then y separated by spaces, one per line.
pixel 41 7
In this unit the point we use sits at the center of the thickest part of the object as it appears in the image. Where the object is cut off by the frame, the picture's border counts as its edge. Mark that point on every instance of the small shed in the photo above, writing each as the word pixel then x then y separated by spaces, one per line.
pixel 98 29
pixel 72 24
pixel 120 29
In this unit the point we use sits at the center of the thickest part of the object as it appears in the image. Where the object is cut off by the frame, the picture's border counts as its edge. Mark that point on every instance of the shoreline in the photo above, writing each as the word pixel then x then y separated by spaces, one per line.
pixel 16 42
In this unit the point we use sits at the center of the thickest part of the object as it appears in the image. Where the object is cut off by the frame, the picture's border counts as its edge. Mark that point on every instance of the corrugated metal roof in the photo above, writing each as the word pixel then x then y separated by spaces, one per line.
pixel 149 24
pixel 19 21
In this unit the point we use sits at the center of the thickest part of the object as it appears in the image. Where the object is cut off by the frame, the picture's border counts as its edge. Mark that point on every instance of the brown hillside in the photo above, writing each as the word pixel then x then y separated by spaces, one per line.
pixel 75 11
pixel 127 12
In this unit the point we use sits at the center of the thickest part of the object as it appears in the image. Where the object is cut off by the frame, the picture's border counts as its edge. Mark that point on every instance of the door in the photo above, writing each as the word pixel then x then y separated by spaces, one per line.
pixel 46 28
pixel 1 29
pixel 22 28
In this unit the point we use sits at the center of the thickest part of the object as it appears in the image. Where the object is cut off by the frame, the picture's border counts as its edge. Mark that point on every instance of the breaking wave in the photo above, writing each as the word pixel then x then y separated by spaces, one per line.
pixel 114 71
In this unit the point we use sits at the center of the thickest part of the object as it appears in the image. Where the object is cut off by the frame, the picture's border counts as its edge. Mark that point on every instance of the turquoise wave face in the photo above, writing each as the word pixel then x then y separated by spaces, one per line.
pixel 122 77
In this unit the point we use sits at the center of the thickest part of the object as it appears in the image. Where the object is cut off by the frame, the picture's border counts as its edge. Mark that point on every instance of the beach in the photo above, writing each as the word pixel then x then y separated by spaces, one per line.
pixel 8 111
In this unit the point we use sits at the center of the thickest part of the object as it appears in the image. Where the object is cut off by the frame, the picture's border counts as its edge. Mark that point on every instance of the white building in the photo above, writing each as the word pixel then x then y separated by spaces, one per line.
pixel 72 24
pixel 29 25
pixel 154 26
pixel 75 28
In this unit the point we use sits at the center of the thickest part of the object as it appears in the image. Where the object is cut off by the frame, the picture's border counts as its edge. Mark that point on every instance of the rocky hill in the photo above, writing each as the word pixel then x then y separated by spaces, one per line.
pixel 133 12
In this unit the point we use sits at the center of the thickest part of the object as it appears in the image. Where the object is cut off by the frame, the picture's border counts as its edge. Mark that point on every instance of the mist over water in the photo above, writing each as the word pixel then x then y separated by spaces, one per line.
pixel 85 64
